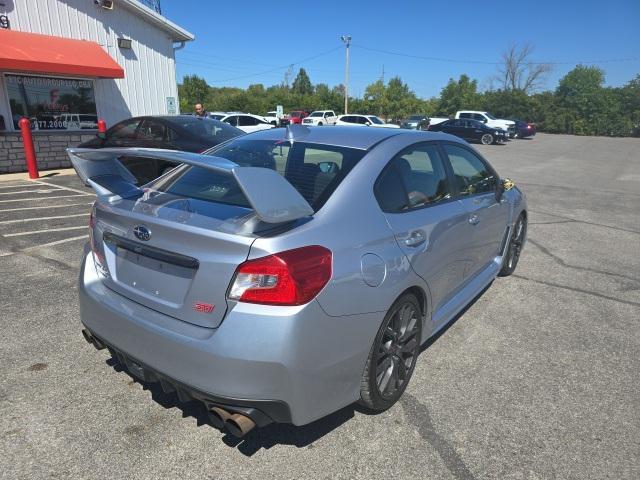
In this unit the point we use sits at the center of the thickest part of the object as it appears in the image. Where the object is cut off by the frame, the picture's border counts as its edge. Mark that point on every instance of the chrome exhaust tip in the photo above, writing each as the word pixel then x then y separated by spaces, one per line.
pixel 239 425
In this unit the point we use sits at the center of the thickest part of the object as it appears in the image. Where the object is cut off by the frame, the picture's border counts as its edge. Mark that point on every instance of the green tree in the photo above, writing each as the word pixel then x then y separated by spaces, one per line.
pixel 302 83
pixel 194 89
pixel 459 95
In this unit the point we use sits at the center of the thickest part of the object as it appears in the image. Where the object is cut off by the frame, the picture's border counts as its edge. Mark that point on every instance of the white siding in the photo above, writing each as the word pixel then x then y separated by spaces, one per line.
pixel 149 66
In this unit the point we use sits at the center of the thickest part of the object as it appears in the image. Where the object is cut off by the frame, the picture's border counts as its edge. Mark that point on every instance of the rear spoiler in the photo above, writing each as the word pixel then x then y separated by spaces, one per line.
pixel 272 197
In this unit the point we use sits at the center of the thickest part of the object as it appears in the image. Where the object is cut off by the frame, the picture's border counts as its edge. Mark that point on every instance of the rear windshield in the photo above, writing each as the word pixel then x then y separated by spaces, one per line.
pixel 208 128
pixel 314 170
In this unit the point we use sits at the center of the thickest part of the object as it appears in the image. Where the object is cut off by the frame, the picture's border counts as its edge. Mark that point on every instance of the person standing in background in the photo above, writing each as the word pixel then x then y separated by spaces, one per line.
pixel 200 111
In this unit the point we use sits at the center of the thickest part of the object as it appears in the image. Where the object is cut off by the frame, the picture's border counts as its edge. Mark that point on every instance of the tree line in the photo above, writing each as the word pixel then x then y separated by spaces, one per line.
pixel 580 104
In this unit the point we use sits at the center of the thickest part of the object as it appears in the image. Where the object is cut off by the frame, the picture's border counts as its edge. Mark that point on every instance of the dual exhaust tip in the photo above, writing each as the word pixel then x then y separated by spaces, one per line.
pixel 93 340
pixel 236 424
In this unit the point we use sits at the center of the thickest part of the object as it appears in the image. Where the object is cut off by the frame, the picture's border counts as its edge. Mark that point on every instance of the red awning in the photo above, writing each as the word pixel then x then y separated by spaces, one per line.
pixel 35 53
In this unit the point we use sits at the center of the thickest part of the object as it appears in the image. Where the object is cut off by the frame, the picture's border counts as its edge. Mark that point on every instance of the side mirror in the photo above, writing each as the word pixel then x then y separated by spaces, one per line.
pixel 504 185
pixel 368 124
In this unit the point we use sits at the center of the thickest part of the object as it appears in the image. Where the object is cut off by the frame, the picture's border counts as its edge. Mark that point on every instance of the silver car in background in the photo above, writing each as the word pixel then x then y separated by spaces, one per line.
pixel 289 273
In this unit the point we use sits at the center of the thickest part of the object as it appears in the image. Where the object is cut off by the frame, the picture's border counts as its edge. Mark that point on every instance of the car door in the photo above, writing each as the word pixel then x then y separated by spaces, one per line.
pixel 429 224
pixel 475 183
pixel 452 127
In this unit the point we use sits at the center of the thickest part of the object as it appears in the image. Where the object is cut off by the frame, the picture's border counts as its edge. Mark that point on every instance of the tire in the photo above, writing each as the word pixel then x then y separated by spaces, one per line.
pixel 514 248
pixel 486 139
pixel 397 345
pixel 319 124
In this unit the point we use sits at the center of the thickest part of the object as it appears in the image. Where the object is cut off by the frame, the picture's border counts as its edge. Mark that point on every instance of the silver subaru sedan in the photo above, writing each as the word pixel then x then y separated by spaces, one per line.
pixel 288 273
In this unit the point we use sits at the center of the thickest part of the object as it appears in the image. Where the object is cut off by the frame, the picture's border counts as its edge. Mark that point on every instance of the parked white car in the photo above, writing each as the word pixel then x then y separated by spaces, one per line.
pixel 272 118
pixel 244 121
pixel 321 117
pixel 489 120
pixel 363 121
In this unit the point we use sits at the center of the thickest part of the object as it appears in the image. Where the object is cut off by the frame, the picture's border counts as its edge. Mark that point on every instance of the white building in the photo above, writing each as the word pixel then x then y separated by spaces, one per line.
pixel 66 63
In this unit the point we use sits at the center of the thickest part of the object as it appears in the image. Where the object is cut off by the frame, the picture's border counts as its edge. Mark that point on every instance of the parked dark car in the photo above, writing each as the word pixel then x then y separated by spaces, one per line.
pixel 416 122
pixel 471 130
pixel 178 132
pixel 524 129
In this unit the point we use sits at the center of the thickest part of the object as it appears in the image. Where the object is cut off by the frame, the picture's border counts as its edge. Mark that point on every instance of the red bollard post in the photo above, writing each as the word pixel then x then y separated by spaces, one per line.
pixel 102 126
pixel 29 150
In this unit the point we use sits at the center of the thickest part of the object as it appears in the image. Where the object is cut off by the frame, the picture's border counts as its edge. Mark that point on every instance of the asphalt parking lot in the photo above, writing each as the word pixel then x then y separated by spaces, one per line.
pixel 538 379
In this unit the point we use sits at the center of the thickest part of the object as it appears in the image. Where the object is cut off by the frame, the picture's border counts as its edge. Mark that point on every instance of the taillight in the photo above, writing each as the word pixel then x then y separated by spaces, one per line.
pixel 98 256
pixel 292 277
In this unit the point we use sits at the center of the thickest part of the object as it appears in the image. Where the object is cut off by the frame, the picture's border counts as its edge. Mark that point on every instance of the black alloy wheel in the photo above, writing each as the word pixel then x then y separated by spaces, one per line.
pixel 514 248
pixel 393 356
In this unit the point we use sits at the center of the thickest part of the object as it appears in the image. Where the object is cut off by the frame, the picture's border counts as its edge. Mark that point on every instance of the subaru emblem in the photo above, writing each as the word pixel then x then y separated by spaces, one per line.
pixel 142 233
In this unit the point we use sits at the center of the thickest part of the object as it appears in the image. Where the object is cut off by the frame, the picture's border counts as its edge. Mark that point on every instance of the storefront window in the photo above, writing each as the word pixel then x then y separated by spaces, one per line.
pixel 52 103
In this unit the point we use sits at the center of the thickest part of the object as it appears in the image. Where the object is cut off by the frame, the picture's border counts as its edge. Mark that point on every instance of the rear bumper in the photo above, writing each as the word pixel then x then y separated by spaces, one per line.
pixel 290 363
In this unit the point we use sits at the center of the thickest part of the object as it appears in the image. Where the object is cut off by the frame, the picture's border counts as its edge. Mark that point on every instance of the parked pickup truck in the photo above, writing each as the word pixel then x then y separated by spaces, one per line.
pixel 321 117
pixel 489 120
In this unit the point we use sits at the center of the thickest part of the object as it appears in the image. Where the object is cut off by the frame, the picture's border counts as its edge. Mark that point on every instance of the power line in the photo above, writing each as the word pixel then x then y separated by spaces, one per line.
pixel 278 68
pixel 484 62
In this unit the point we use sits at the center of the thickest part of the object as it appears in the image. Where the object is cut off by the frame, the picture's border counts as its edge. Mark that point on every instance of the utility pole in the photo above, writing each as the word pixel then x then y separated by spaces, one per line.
pixel 347 41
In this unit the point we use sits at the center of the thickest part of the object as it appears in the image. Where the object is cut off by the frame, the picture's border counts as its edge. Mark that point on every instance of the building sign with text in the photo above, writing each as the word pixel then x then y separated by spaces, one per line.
pixel 52 103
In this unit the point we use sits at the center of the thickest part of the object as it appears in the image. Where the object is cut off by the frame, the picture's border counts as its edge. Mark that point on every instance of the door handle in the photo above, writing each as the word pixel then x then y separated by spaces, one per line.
pixel 415 238
pixel 474 219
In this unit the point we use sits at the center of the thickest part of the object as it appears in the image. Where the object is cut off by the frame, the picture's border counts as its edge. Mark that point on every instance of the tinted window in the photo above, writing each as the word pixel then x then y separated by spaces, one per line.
pixel 471 174
pixel 479 117
pixel 314 170
pixel 210 130
pixel 465 115
pixel 420 173
pixel 152 130
pixel 232 120
pixel 246 121
pixel 124 130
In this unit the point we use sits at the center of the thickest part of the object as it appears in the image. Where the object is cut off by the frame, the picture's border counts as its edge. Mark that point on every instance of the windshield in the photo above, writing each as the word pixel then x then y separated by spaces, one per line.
pixel 314 170
pixel 490 116
pixel 375 120
pixel 207 129
pixel 316 114
pixel 295 114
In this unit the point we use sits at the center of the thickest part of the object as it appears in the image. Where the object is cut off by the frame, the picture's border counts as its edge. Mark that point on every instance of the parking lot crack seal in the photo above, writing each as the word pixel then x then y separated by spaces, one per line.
pixel 564 264
pixel 579 290
pixel 418 414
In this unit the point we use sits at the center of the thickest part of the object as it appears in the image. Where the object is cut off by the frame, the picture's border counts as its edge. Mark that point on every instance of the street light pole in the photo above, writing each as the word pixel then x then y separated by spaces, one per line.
pixel 347 41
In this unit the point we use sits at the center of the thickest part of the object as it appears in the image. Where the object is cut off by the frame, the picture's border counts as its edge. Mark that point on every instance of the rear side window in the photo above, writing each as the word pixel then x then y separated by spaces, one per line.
pixel 314 170
pixel 208 129
pixel 465 115
pixel 415 178
pixel 472 175
pixel 125 130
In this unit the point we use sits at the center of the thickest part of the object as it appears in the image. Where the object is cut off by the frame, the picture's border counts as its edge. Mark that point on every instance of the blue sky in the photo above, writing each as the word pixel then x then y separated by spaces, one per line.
pixel 236 42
